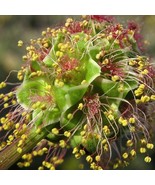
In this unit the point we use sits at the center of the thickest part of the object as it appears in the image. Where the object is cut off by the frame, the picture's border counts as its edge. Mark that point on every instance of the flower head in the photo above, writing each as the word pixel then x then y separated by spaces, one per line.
pixel 84 86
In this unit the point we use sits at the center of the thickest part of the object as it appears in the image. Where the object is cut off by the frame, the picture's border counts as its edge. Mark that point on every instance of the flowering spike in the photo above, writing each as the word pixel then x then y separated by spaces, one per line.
pixel 83 86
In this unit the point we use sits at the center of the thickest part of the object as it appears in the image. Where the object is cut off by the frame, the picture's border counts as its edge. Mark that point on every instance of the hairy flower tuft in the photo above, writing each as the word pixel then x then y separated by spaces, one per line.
pixel 83 86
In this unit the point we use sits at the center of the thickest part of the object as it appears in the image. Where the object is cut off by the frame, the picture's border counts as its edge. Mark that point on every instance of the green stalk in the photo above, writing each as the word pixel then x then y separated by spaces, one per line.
pixel 9 155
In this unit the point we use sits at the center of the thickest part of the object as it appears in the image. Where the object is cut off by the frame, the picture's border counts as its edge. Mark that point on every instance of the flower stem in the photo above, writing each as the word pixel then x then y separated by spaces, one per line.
pixel 9 155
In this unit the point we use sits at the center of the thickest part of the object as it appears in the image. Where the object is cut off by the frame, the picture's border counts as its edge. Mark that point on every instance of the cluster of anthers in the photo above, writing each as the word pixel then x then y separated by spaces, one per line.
pixel 86 87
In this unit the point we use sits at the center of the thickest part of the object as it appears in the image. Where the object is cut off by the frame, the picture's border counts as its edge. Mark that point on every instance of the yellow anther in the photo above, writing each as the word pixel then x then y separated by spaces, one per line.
pixel 93 166
pixel 20 164
pixel 80 106
pixel 24 113
pixel 60 84
pixel 17 125
pixel 125 155
pixel 26 164
pixel 145 99
pixel 48 87
pixel 19 150
pixel 3 120
pixel 45 149
pixel 13 102
pixel 11 137
pixel 138 92
pixel 142 86
pixel 82 133
pixel 83 82
pixel 121 88
pixel 69 20
pixel 67 24
pixel 145 72
pixel 69 116
pixel 62 144
pixel 24 126
pixel 60 45
pixel 5 127
pixel 132 62
pixel 82 152
pixel 150 145
pixel 55 131
pixel 40 152
pixel 20 43
pixel 104 141
pixel 64 30
pixel 10 94
pixel 132 129
pixel 98 56
pixel 67 133
pixel 129 143
pixel 75 150
pixel 5 98
pixel 24 156
pixel 34 153
pixel 39 73
pixel 20 143
pixel 115 78
pixel 43 107
pixel 43 33
pixel 147 159
pixel 40 168
pixel 24 57
pixel 89 159
pixel 48 165
pixel 132 120
pixel 46 45
pixel 115 166
pixel 106 148
pixel 77 155
pixel 59 54
pixel 97 158
pixel 133 152
pixel 105 62
pixel 52 167
pixel 143 141
pixel 38 130
pixel 6 105
pixel 142 150
pixel 152 97
pixel 77 37
pixel 124 123
pixel 1 96
pixel 24 136
pixel 106 130
pixel 27 117
pixel 2 85
pixel 110 117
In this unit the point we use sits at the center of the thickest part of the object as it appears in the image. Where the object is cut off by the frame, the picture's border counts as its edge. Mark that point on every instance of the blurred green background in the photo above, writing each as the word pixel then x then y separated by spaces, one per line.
pixel 14 28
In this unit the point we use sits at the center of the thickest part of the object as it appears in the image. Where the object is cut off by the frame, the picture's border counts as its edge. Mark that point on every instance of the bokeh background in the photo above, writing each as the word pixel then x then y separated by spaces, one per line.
pixel 14 28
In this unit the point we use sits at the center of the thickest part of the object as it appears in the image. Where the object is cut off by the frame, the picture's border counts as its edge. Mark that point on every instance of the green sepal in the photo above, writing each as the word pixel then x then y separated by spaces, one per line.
pixel 68 95
pixel 47 117
pixel 90 144
pixel 69 124
pixel 110 88
pixel 28 89
pixel 35 66
pixel 75 141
